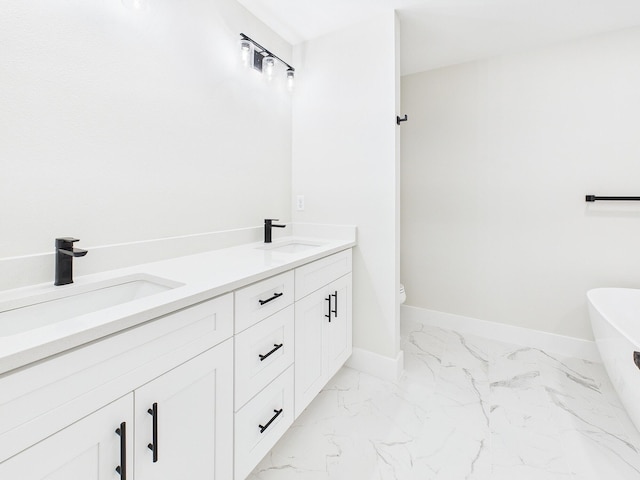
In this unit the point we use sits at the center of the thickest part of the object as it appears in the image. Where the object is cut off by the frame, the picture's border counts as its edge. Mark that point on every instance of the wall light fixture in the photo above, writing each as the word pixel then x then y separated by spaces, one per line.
pixel 262 59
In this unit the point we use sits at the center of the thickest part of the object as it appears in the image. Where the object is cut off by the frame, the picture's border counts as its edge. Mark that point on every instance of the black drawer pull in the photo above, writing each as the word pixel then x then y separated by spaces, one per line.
pixel 154 446
pixel 277 412
pixel 275 295
pixel 636 359
pixel 328 299
pixel 335 305
pixel 122 468
pixel 277 347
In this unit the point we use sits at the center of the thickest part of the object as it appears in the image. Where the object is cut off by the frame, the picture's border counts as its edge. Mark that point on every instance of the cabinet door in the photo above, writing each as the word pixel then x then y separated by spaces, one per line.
pixel 310 338
pixel 184 420
pixel 339 329
pixel 323 338
pixel 89 449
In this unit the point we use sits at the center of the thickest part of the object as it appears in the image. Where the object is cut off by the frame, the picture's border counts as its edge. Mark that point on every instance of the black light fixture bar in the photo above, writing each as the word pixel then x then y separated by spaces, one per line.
pixel 264 50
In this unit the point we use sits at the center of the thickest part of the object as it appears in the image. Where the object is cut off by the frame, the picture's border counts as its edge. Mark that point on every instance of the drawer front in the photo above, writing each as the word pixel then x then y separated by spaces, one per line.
pixel 41 399
pixel 262 353
pixel 313 276
pixel 254 435
pixel 262 299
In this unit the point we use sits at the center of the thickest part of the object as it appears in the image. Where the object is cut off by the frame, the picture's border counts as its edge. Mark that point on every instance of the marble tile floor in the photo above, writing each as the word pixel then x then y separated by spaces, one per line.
pixel 465 408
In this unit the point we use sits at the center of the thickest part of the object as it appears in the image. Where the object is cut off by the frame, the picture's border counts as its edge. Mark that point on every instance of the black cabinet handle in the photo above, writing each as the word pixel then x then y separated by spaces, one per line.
pixel 328 299
pixel 122 468
pixel 636 359
pixel 277 347
pixel 335 305
pixel 277 412
pixel 275 295
pixel 153 411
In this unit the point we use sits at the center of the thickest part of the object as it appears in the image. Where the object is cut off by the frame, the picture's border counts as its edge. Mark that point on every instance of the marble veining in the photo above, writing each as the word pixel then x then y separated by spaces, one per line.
pixel 466 408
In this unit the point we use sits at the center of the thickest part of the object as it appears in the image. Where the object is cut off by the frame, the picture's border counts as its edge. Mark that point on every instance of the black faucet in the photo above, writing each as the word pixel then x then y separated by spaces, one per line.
pixel 64 259
pixel 268 225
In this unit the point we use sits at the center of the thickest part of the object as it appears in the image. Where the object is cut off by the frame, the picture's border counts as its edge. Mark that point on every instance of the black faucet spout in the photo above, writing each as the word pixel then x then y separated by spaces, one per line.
pixel 65 254
pixel 268 225
pixel 74 252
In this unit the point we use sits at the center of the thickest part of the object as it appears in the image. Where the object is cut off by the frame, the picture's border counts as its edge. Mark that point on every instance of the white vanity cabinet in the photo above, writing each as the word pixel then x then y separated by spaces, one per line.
pixel 323 324
pixel 201 393
pixel 58 418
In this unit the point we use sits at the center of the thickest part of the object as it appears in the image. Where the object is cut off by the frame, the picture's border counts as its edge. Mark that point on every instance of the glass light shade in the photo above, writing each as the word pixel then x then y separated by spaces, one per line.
pixel 269 64
pixel 245 50
pixel 290 78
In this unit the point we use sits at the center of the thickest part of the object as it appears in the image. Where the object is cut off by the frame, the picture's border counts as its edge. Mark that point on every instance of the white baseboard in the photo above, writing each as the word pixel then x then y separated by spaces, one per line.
pixel 377 365
pixel 549 342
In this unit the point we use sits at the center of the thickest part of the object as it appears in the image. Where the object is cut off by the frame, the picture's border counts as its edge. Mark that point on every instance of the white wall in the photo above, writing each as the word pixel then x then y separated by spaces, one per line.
pixel 345 164
pixel 497 159
pixel 118 125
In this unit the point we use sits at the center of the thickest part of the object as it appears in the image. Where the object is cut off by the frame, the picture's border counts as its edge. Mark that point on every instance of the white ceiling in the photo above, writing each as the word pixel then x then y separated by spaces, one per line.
pixel 436 33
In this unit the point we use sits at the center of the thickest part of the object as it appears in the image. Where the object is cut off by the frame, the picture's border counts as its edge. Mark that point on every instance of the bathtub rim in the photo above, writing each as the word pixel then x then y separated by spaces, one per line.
pixel 620 324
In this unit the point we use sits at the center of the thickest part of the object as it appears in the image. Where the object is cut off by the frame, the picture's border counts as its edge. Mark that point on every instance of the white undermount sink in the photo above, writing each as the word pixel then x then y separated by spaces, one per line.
pixel 40 310
pixel 292 246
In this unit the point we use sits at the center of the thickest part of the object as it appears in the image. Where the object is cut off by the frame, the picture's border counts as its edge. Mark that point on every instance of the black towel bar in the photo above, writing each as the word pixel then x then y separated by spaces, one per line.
pixel 593 198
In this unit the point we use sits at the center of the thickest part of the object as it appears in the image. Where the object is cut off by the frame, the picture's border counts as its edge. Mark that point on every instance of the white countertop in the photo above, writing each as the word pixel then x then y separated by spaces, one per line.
pixel 204 276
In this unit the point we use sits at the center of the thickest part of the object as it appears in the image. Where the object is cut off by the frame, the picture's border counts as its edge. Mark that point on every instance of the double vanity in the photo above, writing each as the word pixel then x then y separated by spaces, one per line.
pixel 190 368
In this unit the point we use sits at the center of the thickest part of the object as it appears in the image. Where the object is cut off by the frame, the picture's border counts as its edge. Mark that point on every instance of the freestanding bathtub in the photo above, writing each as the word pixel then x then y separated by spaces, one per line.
pixel 615 320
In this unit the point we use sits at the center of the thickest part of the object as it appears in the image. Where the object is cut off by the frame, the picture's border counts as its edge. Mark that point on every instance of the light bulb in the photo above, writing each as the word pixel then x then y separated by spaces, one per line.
pixel 269 64
pixel 290 78
pixel 245 49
